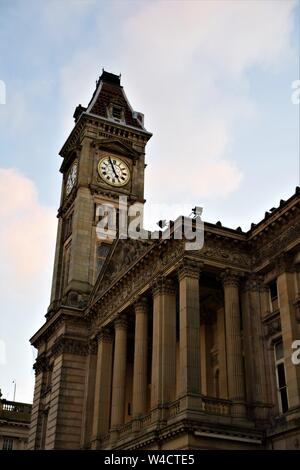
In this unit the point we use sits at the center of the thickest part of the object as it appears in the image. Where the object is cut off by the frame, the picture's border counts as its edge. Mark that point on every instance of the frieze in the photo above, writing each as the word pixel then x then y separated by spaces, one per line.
pixel 217 251
pixel 276 246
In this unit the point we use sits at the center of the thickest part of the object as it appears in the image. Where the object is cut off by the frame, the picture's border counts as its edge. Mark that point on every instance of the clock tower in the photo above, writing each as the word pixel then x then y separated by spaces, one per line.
pixel 103 159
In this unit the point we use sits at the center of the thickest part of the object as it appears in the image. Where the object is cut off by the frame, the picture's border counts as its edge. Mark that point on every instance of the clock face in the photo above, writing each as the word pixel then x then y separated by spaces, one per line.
pixel 114 171
pixel 71 179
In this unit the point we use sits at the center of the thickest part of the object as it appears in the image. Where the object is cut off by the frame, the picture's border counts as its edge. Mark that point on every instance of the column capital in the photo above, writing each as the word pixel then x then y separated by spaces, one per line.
pixel 141 304
pixel 104 334
pixel 121 322
pixel 252 283
pixel 230 278
pixel 163 285
pixel 189 268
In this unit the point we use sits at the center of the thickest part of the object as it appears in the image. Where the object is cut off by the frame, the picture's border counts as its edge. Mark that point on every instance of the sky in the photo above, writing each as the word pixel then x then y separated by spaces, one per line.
pixel 214 80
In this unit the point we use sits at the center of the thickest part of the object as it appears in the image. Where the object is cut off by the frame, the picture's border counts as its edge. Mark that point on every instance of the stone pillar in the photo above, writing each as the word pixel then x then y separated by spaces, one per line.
pixel 140 358
pixel 103 385
pixel 290 332
pixel 119 373
pixel 189 329
pixel 163 381
pixel 235 373
pixel 253 309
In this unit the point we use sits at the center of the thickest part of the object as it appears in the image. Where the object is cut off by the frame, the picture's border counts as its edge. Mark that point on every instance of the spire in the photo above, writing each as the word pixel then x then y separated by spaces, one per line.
pixel 110 102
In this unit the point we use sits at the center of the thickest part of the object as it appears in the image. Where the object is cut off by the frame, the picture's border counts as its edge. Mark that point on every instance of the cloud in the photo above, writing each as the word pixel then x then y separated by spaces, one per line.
pixel 27 230
pixel 189 62
pixel 186 64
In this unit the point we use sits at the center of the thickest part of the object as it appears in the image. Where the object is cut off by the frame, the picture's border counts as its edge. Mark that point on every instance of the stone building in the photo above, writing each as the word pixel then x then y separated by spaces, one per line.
pixel 147 345
pixel 14 424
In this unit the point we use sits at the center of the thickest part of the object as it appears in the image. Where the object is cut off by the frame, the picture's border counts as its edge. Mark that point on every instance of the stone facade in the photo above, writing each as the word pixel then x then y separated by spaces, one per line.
pixel 14 425
pixel 149 346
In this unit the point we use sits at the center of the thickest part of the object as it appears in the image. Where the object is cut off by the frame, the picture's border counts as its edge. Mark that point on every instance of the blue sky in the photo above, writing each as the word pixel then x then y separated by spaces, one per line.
pixel 214 81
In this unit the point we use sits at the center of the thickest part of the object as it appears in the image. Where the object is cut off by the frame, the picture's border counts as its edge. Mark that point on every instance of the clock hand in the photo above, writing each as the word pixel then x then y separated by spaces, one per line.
pixel 112 165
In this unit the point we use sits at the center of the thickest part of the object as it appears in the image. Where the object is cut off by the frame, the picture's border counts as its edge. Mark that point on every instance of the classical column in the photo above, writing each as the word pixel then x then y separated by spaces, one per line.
pixel 235 374
pixel 253 309
pixel 119 373
pixel 163 382
pixel 189 329
pixel 140 357
pixel 102 385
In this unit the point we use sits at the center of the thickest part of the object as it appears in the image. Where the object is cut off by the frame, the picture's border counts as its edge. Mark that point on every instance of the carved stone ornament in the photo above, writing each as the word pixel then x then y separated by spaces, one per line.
pixel 41 364
pixel 162 285
pixel 273 327
pixel 189 268
pixel 141 305
pixel 70 346
pixel 276 246
pixel 230 278
pixel 121 323
pixel 105 335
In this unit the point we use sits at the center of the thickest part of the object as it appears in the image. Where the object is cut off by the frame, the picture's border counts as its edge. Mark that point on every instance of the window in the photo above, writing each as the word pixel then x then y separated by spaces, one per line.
pixel 217 383
pixel 7 443
pixel 101 254
pixel 117 112
pixel 274 296
pixel 68 226
pixel 280 377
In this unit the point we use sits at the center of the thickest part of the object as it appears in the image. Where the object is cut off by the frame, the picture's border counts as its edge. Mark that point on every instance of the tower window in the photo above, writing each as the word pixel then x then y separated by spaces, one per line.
pixel 280 377
pixel 117 112
pixel 101 254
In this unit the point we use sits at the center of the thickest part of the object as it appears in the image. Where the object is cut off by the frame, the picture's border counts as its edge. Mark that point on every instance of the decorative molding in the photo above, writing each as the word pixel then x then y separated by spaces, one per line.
pixel 121 323
pixel 276 246
pixel 162 285
pixel 93 346
pixel 272 324
pixel 230 278
pixel 41 364
pixel 128 286
pixel 220 250
pixel 252 284
pixel 65 345
pixel 141 305
pixel 105 335
pixel 189 268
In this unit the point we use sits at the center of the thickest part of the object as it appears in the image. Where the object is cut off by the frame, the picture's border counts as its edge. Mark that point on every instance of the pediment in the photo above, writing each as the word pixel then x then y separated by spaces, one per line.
pixel 117 147
pixel 123 255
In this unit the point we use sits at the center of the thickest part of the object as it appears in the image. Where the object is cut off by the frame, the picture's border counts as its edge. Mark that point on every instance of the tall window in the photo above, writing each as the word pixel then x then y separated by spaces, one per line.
pixel 101 254
pixel 280 377
pixel 217 383
pixel 7 443
pixel 274 296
